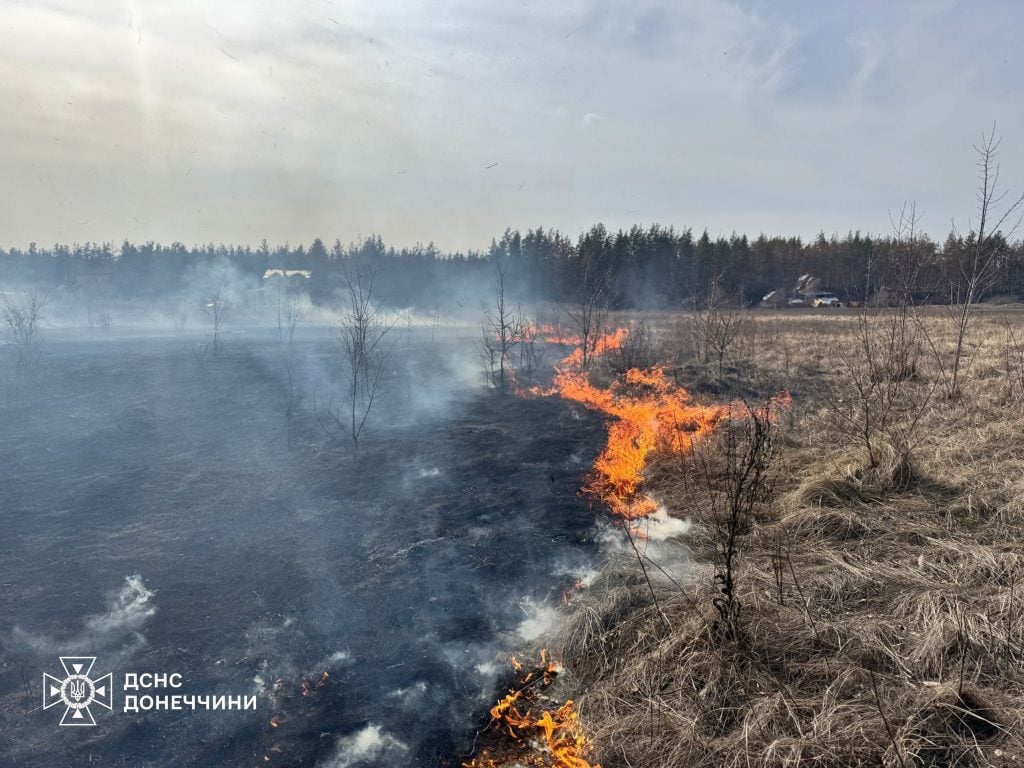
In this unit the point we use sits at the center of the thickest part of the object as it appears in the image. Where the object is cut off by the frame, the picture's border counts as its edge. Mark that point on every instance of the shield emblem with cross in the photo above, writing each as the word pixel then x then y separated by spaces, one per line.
pixel 78 691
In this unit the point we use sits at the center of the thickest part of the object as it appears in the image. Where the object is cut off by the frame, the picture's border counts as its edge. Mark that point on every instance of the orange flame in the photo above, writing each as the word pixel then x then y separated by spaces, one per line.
pixel 651 415
pixel 538 735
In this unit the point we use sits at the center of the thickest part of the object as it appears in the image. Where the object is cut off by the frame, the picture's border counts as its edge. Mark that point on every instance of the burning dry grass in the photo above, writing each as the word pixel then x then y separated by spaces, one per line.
pixel 534 729
pixel 648 414
pixel 881 605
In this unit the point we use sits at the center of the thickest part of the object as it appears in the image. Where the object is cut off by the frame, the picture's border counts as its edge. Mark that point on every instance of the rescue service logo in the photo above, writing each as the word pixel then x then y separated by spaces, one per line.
pixel 143 692
pixel 78 691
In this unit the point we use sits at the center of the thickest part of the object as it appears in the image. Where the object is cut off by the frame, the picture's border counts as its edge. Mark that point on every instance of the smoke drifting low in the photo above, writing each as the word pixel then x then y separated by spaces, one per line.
pixel 116 633
pixel 171 508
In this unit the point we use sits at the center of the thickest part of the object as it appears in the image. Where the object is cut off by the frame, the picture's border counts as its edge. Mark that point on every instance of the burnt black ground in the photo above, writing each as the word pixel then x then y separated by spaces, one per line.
pixel 271 554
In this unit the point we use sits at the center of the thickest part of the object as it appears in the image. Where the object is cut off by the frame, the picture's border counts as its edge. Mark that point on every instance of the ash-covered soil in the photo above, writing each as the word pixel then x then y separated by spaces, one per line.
pixel 163 513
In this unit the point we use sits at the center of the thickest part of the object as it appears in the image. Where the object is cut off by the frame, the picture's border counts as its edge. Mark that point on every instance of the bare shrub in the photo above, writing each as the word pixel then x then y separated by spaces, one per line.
pixel 716 326
pixel 977 270
pixel 23 317
pixel 735 470
pixel 200 354
pixel 531 356
pixel 637 351
pixel 880 395
pixel 290 312
pixel 487 347
pixel 502 329
pixel 293 399
pixel 217 309
pixel 1013 360
pixel 365 350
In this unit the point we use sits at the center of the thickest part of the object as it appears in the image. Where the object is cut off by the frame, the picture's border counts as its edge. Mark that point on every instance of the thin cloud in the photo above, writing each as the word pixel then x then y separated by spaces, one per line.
pixel 238 120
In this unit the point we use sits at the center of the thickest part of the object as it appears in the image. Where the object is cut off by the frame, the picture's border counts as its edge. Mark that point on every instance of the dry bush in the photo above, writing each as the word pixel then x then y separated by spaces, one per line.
pixel 880 395
pixel 215 305
pixel 639 350
pixel 532 355
pixel 1013 361
pixel 23 317
pixel 716 327
pixel 365 347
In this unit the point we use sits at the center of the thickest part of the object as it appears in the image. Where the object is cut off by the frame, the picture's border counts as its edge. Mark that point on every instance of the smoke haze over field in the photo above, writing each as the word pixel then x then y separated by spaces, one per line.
pixel 164 511
pixel 235 120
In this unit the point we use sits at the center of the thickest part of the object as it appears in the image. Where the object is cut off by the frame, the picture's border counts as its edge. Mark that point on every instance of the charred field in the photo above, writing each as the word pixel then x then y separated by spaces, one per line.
pixel 165 513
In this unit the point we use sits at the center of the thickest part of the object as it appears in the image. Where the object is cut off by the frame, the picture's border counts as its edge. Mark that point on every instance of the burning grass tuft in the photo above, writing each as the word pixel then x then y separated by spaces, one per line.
pixel 528 728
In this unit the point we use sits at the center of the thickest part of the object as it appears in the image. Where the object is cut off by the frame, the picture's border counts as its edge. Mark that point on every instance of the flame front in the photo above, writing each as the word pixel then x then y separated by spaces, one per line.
pixel 651 415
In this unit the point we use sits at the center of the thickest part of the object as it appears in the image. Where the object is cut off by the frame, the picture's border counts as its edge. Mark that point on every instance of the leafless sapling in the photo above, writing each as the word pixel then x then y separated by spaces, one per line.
pixel 365 349
pixel 717 325
pixel 23 316
pixel 736 470
pixel 503 323
pixel 217 308
pixel 290 313
pixel 587 313
pixel 979 270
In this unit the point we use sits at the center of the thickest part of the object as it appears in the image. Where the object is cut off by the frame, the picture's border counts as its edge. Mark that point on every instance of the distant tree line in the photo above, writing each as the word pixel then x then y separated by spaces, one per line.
pixel 642 267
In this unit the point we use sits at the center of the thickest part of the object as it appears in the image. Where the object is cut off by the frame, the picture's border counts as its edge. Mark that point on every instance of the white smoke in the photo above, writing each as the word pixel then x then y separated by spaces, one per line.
pixel 659 526
pixel 335 659
pixel 127 610
pixel 411 697
pixel 370 746
pixel 582 574
pixel 659 538
pixel 116 632
pixel 540 620
pixel 487 669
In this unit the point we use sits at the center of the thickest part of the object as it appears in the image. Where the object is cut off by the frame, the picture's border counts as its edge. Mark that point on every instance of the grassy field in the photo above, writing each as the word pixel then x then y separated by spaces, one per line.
pixel 856 596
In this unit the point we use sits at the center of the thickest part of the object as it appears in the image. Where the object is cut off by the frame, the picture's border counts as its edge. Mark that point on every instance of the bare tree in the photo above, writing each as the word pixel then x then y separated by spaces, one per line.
pixel 365 350
pixel 588 313
pixel 531 355
pixel 290 312
pixel 217 309
pixel 488 347
pixel 717 326
pixel 980 270
pixel 199 353
pixel 23 318
pixel 908 257
pixel 504 323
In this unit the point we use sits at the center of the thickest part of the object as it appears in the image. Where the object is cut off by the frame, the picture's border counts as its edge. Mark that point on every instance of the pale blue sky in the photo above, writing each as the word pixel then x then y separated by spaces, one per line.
pixel 449 120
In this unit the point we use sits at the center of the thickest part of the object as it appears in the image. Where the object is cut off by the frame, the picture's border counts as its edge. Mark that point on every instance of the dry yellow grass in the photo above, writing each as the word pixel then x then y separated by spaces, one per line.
pixel 881 606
